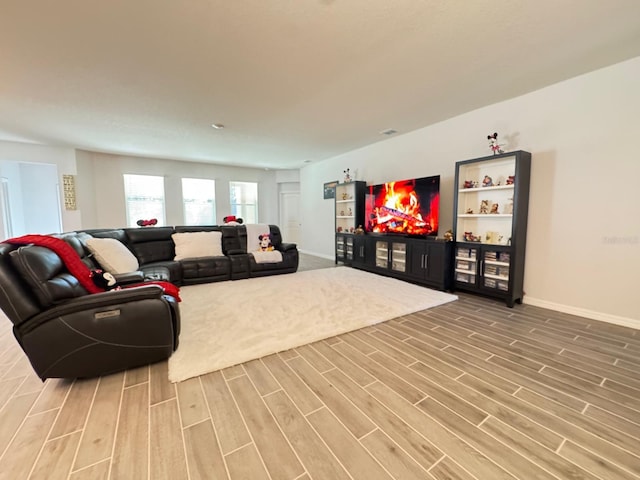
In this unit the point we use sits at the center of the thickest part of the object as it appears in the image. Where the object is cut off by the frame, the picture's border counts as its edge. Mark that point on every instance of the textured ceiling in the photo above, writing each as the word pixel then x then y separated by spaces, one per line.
pixel 292 80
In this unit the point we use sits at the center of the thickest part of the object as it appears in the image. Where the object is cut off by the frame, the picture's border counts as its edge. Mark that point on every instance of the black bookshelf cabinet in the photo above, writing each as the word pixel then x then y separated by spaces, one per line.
pixel 349 215
pixel 491 206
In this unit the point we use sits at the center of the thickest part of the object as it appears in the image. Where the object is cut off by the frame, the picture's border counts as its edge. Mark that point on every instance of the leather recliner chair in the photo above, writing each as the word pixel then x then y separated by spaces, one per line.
pixel 67 332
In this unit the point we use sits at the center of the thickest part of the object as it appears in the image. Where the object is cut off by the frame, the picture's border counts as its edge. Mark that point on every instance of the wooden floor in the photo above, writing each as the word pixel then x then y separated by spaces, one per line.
pixel 468 390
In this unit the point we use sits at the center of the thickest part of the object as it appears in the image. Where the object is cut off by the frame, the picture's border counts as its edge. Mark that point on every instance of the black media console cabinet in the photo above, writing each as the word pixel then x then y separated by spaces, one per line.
pixel 425 261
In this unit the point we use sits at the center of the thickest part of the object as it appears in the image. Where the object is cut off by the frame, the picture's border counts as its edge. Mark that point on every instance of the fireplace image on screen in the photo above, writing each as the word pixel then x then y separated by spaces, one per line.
pixel 409 207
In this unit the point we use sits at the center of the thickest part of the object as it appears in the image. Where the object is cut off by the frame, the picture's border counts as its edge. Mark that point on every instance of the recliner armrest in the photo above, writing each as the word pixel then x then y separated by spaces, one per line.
pixel 285 247
pixel 110 299
pixel 129 278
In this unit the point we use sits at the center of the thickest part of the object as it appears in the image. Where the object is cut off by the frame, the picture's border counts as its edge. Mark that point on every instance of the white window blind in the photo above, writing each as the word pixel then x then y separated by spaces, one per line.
pixel 199 201
pixel 244 200
pixel 144 196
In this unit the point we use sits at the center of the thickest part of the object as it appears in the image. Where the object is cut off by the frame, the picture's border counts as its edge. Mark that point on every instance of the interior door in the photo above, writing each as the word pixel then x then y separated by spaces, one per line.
pixel 290 216
pixel 30 199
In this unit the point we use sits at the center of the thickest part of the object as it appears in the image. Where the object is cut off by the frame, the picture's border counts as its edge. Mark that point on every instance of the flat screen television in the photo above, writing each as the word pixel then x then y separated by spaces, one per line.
pixel 407 207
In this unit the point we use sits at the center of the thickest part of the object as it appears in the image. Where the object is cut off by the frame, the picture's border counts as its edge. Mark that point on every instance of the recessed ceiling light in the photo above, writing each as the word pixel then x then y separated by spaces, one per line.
pixel 388 131
pixel 217 126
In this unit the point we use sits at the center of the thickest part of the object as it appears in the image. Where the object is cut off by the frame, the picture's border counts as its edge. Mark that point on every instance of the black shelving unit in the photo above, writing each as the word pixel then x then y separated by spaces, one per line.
pixel 490 225
pixel 349 215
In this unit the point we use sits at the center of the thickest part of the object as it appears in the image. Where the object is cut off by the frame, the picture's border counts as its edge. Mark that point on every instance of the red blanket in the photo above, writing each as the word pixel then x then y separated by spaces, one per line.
pixel 77 267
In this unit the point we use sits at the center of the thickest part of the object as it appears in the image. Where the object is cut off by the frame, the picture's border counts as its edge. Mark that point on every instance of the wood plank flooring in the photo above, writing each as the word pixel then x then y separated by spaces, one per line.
pixel 467 390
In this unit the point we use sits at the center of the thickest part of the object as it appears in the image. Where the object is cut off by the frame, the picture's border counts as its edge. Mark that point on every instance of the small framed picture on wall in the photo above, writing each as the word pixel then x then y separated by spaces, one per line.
pixel 330 189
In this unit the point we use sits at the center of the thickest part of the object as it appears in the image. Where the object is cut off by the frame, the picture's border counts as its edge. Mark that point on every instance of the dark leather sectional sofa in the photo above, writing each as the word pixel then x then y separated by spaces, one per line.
pixel 67 332
pixel 155 251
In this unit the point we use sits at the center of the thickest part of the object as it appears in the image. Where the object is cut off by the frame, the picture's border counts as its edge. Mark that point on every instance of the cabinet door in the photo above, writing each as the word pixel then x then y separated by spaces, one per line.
pixel 348 248
pixel 428 262
pixel 495 269
pixel 418 260
pixel 466 261
pixel 435 262
pixel 399 257
pixel 382 254
pixel 339 247
pixel 360 249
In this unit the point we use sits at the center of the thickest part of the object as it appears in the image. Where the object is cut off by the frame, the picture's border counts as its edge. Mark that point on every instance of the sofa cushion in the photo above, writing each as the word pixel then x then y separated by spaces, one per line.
pixel 198 270
pixel 197 244
pixel 151 244
pixel 45 273
pixel 112 255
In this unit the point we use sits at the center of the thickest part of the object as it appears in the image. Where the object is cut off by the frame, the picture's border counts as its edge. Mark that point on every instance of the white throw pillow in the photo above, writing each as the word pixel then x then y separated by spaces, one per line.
pixel 112 255
pixel 197 244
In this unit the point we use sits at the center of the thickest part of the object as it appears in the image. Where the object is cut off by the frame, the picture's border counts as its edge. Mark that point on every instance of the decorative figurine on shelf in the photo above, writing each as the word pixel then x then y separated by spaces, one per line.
pixel 345 196
pixel 469 211
pixel 494 208
pixel 470 237
pixel 492 237
pixel 511 179
pixel 342 213
pixel 347 176
pixel 339 229
pixel 448 236
pixel 359 230
pixel 487 181
pixel 351 229
pixel 508 208
pixel 469 184
pixel 350 212
pixel 484 206
pixel 494 145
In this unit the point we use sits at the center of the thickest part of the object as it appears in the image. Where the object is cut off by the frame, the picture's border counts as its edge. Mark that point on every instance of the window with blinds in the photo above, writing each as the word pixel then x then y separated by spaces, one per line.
pixel 199 201
pixel 244 200
pixel 144 197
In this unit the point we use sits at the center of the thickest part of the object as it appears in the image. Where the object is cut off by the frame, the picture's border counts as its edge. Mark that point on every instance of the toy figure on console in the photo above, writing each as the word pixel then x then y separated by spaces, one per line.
pixel 494 145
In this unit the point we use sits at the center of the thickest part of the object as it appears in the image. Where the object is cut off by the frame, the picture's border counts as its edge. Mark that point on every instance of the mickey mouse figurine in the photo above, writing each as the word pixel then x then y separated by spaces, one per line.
pixel 494 145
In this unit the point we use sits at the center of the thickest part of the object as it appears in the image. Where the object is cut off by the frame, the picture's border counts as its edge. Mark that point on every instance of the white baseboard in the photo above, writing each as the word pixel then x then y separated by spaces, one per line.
pixel 583 312
pixel 328 257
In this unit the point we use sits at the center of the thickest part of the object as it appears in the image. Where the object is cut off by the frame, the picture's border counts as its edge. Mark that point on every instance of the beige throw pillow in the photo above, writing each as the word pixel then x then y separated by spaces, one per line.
pixel 112 255
pixel 197 244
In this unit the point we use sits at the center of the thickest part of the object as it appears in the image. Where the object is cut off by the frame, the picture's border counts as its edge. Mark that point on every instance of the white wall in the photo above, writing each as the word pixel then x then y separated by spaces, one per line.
pixel 101 188
pixel 583 243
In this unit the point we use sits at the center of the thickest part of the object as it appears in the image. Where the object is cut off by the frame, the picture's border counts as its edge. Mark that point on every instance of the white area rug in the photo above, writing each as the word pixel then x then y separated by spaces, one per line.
pixel 227 323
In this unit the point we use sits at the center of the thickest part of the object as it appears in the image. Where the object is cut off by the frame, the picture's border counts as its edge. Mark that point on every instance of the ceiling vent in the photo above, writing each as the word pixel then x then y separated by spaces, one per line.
pixel 388 131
